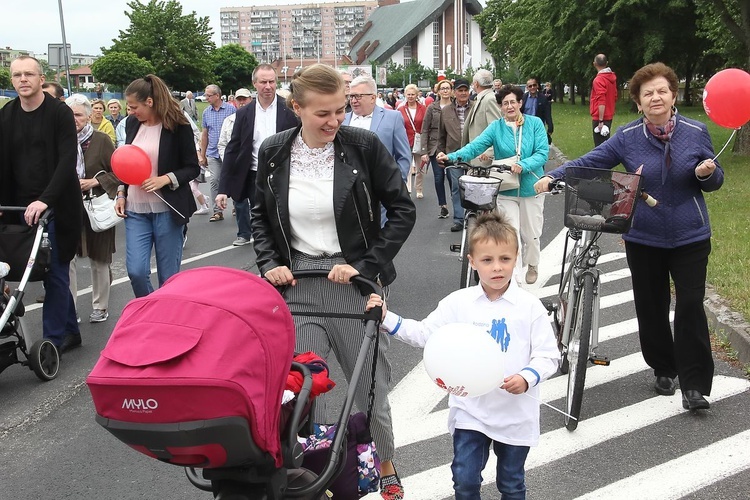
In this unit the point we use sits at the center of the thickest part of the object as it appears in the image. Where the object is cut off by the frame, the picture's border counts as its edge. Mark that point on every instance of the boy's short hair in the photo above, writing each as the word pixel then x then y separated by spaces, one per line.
pixel 494 227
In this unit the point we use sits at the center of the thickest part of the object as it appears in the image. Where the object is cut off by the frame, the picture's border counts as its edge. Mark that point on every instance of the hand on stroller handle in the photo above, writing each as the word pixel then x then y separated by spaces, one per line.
pixel 345 271
pixel 32 213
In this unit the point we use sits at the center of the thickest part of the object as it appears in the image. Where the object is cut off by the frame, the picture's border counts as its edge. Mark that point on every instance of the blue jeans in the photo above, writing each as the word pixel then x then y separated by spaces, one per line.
pixel 242 214
pixel 438 173
pixel 59 312
pixel 471 450
pixel 142 232
pixel 458 210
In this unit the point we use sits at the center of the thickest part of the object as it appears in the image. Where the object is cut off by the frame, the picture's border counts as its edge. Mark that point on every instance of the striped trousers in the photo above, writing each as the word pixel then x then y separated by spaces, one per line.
pixel 343 337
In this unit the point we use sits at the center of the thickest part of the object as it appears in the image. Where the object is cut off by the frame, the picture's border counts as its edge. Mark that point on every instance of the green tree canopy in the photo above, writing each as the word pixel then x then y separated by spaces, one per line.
pixel 177 45
pixel 120 68
pixel 4 78
pixel 233 67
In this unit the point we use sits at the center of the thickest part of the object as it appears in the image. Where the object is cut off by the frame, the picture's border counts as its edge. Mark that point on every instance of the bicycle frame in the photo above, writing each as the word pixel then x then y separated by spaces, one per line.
pixel 581 260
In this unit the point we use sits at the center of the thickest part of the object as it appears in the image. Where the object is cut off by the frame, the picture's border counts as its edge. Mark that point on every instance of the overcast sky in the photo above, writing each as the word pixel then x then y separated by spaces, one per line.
pixel 89 25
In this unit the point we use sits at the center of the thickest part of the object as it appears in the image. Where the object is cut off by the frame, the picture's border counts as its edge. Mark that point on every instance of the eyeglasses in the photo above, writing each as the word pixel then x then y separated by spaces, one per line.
pixel 532 85
pixel 358 97
pixel 26 74
pixel 505 104
pixel 444 88
pixel 209 95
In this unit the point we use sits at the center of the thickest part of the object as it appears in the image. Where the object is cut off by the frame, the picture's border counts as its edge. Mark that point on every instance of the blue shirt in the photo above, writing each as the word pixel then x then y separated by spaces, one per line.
pixel 529 106
pixel 212 120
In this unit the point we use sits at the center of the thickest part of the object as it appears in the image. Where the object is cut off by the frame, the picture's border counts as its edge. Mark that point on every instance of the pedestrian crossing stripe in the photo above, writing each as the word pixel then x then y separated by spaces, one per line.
pixel 706 466
pixel 559 443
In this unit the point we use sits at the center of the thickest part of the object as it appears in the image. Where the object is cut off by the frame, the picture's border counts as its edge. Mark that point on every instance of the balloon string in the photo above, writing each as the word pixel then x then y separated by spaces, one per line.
pixel 170 206
pixel 727 143
pixel 550 406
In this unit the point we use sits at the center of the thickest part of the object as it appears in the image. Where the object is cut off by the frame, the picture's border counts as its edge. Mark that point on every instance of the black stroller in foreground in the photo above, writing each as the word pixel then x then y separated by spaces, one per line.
pixel 24 256
pixel 196 380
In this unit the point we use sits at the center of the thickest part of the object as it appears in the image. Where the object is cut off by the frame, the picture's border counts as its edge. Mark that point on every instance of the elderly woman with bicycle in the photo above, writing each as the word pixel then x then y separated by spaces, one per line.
pixel 520 141
pixel 672 239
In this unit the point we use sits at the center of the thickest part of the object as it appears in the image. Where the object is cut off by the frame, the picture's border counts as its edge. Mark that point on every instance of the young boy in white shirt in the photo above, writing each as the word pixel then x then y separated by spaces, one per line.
pixel 518 321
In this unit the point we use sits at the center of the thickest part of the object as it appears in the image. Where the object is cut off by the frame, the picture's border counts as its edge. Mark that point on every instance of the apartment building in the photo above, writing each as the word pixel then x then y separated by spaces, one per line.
pixel 294 36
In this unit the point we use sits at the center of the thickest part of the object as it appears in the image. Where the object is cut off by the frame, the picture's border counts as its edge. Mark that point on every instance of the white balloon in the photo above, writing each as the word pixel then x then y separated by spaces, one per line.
pixel 464 360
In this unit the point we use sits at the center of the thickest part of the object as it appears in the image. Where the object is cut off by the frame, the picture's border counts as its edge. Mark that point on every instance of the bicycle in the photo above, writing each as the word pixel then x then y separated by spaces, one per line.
pixel 597 201
pixel 478 190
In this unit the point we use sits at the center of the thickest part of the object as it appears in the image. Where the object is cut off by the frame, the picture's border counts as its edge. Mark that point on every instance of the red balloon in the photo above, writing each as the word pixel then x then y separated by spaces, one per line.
pixel 726 98
pixel 131 164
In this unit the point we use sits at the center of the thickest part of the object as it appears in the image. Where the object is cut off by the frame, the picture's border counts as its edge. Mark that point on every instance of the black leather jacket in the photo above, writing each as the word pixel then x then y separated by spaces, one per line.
pixel 365 175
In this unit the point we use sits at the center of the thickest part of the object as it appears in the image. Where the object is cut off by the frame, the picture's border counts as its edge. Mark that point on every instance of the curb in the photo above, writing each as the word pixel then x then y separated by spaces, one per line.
pixel 730 324
pixel 720 317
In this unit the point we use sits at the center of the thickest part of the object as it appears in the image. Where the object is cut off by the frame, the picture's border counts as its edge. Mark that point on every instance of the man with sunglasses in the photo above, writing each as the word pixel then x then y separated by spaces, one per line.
pixel 535 103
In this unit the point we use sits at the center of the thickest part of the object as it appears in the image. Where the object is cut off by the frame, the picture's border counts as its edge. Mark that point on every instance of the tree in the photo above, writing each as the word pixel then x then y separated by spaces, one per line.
pixel 233 67
pixel 120 68
pixel 177 45
pixel 727 24
pixel 4 78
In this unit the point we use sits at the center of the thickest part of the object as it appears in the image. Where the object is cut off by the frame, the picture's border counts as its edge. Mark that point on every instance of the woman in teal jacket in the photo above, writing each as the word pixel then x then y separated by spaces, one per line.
pixel 522 140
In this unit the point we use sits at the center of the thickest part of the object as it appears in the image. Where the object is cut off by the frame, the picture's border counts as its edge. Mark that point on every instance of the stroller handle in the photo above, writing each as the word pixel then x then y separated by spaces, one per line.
pixel 365 285
pixel 43 218
pixel 372 286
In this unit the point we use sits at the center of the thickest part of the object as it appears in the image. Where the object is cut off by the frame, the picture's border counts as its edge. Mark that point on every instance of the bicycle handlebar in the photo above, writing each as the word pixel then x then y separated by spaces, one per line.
pixel 481 171
pixel 557 186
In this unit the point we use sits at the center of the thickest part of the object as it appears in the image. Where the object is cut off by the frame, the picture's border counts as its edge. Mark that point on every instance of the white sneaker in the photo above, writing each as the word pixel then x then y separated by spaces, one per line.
pixel 202 210
pixel 240 241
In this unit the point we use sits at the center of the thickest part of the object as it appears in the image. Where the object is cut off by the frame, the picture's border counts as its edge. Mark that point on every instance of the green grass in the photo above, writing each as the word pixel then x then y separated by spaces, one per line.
pixel 729 264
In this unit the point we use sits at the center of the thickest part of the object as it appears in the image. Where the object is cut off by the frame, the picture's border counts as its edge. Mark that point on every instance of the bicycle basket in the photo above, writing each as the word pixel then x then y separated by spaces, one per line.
pixel 478 193
pixel 600 200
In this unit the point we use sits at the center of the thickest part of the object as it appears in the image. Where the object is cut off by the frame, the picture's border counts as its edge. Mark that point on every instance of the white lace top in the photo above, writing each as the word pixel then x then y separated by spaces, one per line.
pixel 311 213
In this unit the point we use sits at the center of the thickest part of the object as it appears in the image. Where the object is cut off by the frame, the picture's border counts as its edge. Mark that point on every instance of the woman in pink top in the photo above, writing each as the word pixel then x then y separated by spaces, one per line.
pixel 414 112
pixel 163 132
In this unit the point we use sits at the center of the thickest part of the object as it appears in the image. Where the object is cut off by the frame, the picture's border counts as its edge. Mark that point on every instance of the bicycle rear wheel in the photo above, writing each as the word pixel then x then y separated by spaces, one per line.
pixel 578 350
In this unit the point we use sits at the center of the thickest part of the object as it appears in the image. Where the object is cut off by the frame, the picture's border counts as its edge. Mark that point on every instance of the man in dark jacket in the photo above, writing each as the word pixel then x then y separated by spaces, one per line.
pixel 38 170
pixel 536 104
pixel 256 121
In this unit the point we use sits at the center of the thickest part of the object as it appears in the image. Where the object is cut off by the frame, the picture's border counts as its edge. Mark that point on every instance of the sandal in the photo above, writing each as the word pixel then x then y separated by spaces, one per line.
pixel 216 217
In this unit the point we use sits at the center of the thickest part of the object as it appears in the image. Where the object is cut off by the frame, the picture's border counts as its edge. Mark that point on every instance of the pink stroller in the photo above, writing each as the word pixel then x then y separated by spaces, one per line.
pixel 194 375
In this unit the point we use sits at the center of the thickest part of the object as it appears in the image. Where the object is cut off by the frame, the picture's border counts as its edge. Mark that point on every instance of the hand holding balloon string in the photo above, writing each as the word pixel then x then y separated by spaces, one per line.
pixel 133 166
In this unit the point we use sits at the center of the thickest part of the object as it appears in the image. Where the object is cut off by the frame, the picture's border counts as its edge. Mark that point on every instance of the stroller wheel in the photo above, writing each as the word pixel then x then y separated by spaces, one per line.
pixel 44 359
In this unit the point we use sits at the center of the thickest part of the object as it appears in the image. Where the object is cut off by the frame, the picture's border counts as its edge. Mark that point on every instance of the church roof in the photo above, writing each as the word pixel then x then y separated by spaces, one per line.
pixel 390 27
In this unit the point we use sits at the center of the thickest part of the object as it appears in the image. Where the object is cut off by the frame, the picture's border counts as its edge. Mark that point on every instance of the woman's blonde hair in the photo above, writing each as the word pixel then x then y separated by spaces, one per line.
pixel 413 87
pixel 317 79
pixel 165 107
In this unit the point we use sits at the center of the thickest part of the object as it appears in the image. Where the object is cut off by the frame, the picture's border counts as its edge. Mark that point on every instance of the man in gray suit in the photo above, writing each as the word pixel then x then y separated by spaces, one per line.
pixel 386 123
pixel 484 111
pixel 188 106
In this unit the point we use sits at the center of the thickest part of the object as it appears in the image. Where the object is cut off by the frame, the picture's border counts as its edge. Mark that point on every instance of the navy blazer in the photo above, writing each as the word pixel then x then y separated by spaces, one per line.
pixel 389 127
pixel 238 157
pixel 176 156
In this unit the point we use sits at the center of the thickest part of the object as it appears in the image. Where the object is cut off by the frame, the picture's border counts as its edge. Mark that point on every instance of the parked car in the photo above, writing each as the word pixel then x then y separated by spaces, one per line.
pixel 200 98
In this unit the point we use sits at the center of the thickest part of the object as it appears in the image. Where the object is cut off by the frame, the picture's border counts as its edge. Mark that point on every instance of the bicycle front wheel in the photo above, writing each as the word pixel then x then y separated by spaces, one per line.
pixel 578 350
pixel 469 277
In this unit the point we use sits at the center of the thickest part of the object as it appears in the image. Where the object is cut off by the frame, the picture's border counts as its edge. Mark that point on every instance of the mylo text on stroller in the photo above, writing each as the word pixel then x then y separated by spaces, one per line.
pixel 196 380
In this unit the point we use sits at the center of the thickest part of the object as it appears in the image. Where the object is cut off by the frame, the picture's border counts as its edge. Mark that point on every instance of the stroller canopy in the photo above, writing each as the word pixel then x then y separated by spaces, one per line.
pixel 213 342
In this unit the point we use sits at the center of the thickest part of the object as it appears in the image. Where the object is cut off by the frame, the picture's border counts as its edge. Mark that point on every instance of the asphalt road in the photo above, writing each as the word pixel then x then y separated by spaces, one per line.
pixel 630 443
